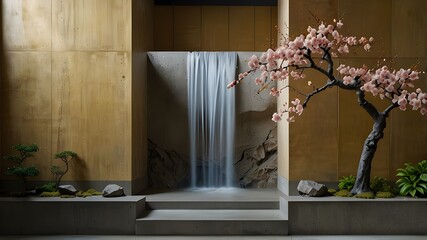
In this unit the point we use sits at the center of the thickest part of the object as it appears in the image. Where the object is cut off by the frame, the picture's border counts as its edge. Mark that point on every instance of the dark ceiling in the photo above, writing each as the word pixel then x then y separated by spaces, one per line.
pixel 217 2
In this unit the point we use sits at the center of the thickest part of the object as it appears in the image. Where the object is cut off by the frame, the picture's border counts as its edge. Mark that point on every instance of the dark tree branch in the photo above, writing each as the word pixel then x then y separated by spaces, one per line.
pixel 327 57
pixel 389 108
pixel 318 90
pixel 314 66
pixel 371 109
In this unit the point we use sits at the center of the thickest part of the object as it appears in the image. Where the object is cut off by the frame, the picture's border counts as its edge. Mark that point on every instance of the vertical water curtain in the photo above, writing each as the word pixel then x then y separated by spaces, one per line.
pixel 211 115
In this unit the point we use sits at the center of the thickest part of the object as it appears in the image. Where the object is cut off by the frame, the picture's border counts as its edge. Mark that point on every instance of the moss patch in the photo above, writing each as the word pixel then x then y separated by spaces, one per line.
pixel 343 193
pixel 367 195
pixel 68 196
pixel 50 194
pixel 331 191
pixel 94 192
pixel 384 195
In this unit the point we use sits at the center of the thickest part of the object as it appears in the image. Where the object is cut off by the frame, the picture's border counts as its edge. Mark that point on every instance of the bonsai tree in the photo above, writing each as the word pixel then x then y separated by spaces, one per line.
pixel 21 171
pixel 64 156
pixel 321 45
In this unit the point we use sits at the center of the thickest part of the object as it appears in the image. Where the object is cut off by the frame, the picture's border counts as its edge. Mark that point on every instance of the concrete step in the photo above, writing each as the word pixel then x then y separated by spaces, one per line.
pixel 219 204
pixel 212 222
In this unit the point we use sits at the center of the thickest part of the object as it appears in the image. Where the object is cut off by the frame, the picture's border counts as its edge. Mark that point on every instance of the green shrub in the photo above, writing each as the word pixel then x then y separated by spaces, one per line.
pixel 331 191
pixel 378 184
pixel 48 187
pixel 21 171
pixel 413 179
pixel 346 183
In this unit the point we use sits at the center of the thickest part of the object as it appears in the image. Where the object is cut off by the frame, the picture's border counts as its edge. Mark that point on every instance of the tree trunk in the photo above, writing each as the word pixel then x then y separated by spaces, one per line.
pixel 368 152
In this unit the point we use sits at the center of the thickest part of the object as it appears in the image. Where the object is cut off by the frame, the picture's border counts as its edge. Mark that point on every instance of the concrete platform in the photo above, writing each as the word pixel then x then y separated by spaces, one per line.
pixel 354 216
pixel 91 215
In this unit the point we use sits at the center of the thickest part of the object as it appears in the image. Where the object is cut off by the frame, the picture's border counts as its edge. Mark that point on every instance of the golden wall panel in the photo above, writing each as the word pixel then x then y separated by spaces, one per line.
pixel 215 28
pixel 313 137
pixel 408 128
pixel 163 28
pixel 26 24
pixel 409 24
pixel 370 25
pixel 26 107
pixel 91 113
pixel 262 28
pixel 187 28
pixel 91 25
pixel 274 26
pixel 355 125
pixel 305 13
pixel 242 28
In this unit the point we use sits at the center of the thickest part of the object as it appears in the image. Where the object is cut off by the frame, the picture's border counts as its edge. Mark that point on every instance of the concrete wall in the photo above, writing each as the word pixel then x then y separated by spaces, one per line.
pixel 326 141
pixel 71 73
pixel 167 105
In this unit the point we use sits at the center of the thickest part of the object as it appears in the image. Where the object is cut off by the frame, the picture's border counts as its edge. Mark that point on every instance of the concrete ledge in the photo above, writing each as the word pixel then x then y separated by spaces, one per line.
pixel 342 216
pixel 76 216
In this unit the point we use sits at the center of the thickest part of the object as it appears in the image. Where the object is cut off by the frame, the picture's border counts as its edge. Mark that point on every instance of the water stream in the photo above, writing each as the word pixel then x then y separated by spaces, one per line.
pixel 211 115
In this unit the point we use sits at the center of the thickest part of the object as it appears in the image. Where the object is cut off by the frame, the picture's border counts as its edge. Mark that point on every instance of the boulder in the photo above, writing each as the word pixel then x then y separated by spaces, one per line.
pixel 67 190
pixel 312 188
pixel 113 190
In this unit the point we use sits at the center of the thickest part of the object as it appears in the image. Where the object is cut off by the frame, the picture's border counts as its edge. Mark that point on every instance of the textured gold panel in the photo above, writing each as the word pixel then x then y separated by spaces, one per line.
pixel 355 125
pixel 274 26
pixel 91 113
pixel 376 25
pixel 92 25
pixel 215 28
pixel 187 28
pixel 242 28
pixel 409 24
pixel 313 138
pixel 163 28
pixel 409 128
pixel 26 24
pixel 303 13
pixel 26 107
pixel 262 28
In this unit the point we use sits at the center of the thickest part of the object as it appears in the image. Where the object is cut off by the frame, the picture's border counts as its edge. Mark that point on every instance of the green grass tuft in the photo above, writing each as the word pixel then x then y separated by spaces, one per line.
pixel 68 196
pixel 384 195
pixel 343 193
pixel 94 192
pixel 49 194
pixel 366 195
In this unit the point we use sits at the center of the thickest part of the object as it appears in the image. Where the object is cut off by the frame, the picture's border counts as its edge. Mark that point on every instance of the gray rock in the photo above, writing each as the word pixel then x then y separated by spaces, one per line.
pixel 312 188
pixel 113 190
pixel 67 190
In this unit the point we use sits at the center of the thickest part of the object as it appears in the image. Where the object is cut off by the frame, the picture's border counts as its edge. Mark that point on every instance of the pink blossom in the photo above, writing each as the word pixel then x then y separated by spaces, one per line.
pixel 423 111
pixel 258 81
pixel 413 75
pixel 309 83
pixel 339 24
pixel 274 92
pixel 296 102
pixel 367 47
pixel 298 109
pixel 291 119
pixel 347 80
pixel 253 62
pixel 371 39
pixel 276 117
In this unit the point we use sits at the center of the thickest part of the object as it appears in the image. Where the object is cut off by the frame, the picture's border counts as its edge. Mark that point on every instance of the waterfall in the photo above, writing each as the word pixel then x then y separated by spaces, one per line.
pixel 211 117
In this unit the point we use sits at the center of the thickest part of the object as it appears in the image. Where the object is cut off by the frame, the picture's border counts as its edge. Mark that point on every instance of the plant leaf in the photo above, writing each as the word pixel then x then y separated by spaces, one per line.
pixel 424 177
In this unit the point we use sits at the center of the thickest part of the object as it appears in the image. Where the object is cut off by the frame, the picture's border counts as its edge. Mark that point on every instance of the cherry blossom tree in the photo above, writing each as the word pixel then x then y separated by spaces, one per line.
pixel 322 45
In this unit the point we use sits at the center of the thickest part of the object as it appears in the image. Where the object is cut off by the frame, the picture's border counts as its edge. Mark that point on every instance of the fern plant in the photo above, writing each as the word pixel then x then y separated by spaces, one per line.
pixel 21 171
pixel 346 183
pixel 413 179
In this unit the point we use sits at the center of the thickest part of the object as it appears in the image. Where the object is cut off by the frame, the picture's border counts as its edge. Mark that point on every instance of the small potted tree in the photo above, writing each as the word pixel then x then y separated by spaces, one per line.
pixel 64 156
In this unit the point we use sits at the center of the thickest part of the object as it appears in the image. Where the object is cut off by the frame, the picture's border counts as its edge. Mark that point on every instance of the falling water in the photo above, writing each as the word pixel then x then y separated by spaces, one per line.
pixel 211 113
